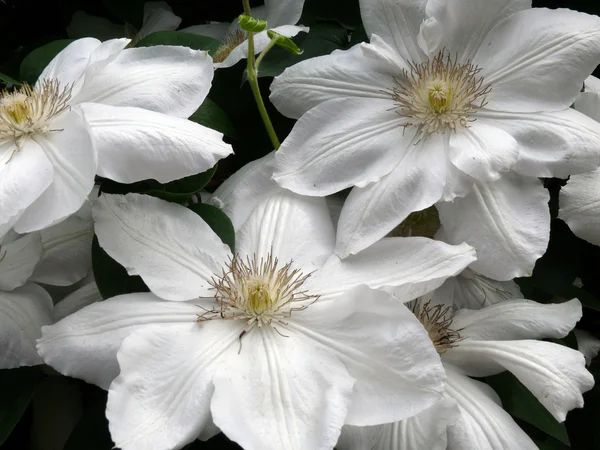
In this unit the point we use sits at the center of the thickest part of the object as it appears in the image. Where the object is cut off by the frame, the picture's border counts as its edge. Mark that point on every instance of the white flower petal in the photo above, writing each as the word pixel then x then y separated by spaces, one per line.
pixel 281 393
pixel 69 65
pixel 239 195
pixel 169 246
pixel 283 12
pixel 397 23
pixel 364 71
pixel 474 291
pixel 555 144
pixel 215 30
pixel 161 398
pixel 85 344
pixel 483 424
pixel 291 228
pixel 134 144
pixel 70 150
pixel 67 252
pixel 172 80
pixel 465 24
pixel 416 183
pixel 537 59
pixel 77 300
pixel 410 267
pixel 483 151
pixel 587 344
pixel 23 312
pixel 507 221
pixel 384 347
pixel 158 16
pixel 18 260
pixel 518 319
pixel 22 180
pixel 588 102
pixel 555 374
pixel 580 205
pixel 339 144
pixel 360 438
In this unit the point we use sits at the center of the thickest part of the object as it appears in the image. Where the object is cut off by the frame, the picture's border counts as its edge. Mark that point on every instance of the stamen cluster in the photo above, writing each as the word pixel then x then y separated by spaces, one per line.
pixel 437 321
pixel 27 111
pixel 259 292
pixel 439 94
pixel 234 39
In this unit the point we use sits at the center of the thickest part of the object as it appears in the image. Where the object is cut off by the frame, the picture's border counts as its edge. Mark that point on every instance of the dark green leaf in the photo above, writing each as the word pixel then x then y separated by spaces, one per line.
pixel 35 62
pixel 212 116
pixel 17 387
pixel 251 24
pixel 112 278
pixel 218 221
pixel 322 39
pixel 520 403
pixel 7 79
pixel 193 41
pixel 178 191
pixel 91 432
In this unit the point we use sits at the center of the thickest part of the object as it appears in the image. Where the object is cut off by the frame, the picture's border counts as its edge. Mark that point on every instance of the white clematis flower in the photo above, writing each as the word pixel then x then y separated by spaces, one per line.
pixel 281 17
pixel 24 306
pixel 269 329
pixel 446 99
pixel 481 343
pixel 101 109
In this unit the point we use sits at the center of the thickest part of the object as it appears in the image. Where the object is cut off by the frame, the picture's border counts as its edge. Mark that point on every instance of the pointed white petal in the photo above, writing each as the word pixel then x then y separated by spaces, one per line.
pixel 158 16
pixel 69 65
pixel 364 71
pixel 67 252
pixel 555 374
pixel 134 144
pixel 579 204
pixel 339 144
pixel 301 393
pixel 69 148
pixel 23 312
pixel 397 23
pixel 18 260
pixel 291 228
pixel 77 300
pixel 85 344
pixel 169 246
pixel 507 221
pixel 416 183
pixel 483 151
pixel 384 347
pixel 483 424
pixel 23 179
pixel 172 80
pixel 409 267
pixel 162 396
pixel 518 319
pixel 587 344
pixel 537 59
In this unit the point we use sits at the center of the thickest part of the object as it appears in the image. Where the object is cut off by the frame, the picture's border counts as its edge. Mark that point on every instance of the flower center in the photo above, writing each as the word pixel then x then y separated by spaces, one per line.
pixel 260 292
pixel 234 39
pixel 439 94
pixel 27 111
pixel 437 321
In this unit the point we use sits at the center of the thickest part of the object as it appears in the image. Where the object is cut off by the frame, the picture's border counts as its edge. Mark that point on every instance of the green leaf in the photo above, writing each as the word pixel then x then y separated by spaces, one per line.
pixel 193 41
pixel 251 24
pixel 17 387
pixel 7 79
pixel 112 278
pixel 212 116
pixel 178 191
pixel 91 432
pixel 522 404
pixel 284 42
pixel 218 221
pixel 322 39
pixel 35 62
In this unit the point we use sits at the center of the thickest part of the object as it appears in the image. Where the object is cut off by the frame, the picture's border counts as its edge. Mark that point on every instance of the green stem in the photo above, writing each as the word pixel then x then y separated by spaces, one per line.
pixel 263 53
pixel 253 81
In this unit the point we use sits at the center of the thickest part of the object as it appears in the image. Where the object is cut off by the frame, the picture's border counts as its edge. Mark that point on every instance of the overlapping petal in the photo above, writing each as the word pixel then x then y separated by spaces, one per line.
pixel 579 203
pixel 18 259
